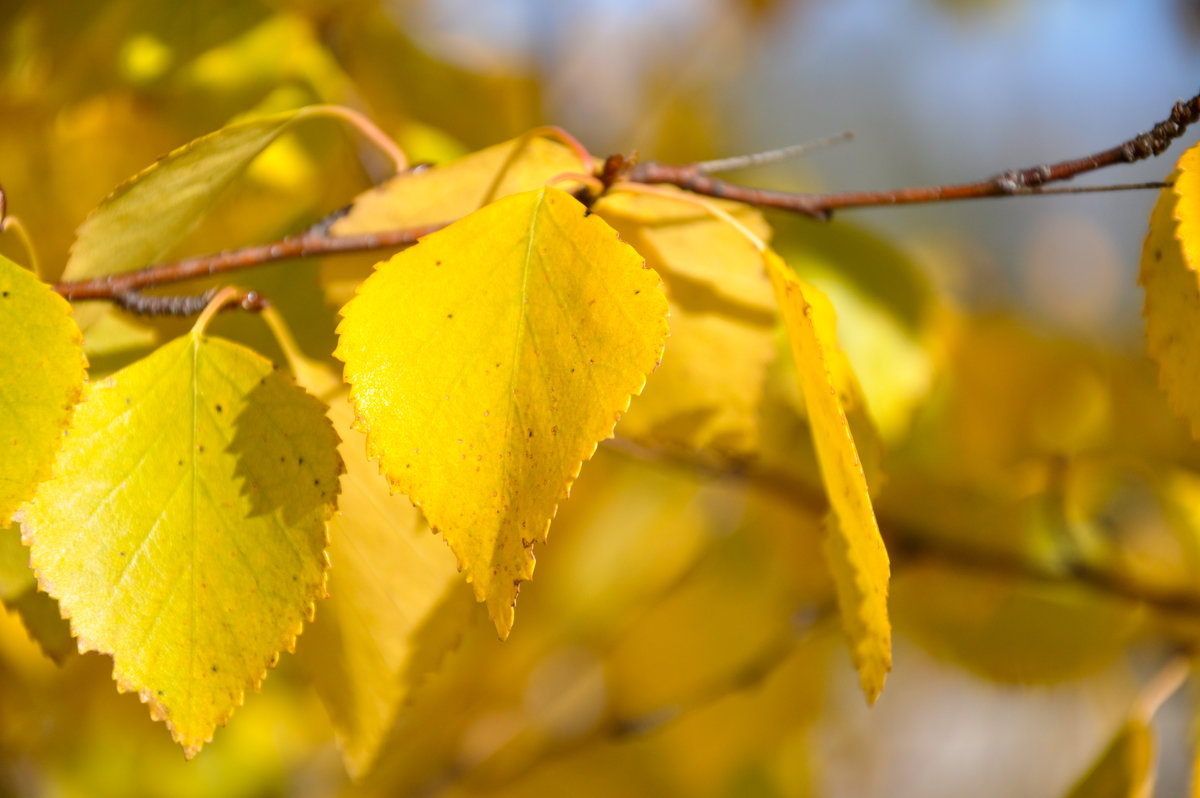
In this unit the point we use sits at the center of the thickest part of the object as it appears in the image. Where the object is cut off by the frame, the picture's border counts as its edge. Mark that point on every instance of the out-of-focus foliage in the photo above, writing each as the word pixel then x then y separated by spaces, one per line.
pixel 1039 500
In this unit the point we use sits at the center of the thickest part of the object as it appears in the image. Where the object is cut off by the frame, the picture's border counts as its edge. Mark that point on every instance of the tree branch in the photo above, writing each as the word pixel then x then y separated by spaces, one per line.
pixel 113 286
pixel 1006 184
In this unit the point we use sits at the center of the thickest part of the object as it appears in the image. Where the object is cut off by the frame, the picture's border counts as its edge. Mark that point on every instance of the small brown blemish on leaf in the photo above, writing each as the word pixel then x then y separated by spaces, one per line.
pixel 5 295
pixel 1158 254
pixel 219 409
pixel 449 315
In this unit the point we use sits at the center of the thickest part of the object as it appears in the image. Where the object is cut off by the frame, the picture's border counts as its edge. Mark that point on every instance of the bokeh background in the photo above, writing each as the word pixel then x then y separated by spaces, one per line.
pixel 936 91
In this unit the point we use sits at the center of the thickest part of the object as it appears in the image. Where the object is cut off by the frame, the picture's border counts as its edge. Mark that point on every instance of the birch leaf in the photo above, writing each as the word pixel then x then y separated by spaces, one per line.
pixel 854 549
pixel 394 608
pixel 446 193
pixel 185 528
pixel 41 379
pixel 486 363
pixel 147 215
pixel 1168 275
pixel 707 395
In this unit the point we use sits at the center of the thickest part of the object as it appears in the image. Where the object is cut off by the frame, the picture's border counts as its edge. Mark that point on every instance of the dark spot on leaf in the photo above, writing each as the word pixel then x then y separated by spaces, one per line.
pixel 300 461
pixel 5 295
pixel 214 668
pixel 635 293
pixel 437 263
pixel 121 553
pixel 160 692
pixel 200 448
pixel 181 462
pixel 219 409
pixel 316 482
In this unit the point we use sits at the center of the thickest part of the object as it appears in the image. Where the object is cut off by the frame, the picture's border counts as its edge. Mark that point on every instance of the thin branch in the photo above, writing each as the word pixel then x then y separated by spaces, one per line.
pixel 305 245
pixel 183 304
pixel 772 156
pixel 1006 184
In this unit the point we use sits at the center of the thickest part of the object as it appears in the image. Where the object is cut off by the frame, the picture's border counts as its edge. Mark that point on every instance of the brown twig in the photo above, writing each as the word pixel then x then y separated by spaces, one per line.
pixel 184 304
pixel 1006 184
pixel 112 286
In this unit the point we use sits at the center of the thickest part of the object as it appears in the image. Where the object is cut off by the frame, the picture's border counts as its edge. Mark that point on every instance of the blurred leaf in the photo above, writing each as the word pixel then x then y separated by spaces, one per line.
pixel 146 216
pixel 1169 261
pixel 705 396
pixel 1008 630
pixel 528 325
pixel 184 530
pixel 395 607
pixel 446 193
pixel 41 379
pixel 854 549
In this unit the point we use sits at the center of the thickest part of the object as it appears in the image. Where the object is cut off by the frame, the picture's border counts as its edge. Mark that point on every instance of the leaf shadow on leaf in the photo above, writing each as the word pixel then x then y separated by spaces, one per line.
pixel 698 296
pixel 278 478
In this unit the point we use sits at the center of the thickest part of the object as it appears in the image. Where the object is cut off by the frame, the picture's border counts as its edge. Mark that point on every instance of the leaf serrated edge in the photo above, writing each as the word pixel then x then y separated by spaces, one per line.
pixel 1158 342
pixel 373 451
pixel 45 471
pixel 288 639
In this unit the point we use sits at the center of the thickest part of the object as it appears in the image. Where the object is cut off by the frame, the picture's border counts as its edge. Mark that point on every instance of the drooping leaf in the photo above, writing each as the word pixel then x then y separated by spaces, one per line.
pixel 41 378
pixel 185 528
pixel 395 605
pixel 1172 309
pixel 486 363
pixel 854 548
pixel 152 211
pixel 707 393
pixel 445 193
pixel 1125 769
pixel 888 315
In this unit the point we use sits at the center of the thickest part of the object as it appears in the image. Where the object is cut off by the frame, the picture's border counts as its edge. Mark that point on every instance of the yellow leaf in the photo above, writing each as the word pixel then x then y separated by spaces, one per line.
pixel 1172 308
pixel 41 378
pixel 395 605
pixel 446 193
pixel 184 531
pixel 151 212
pixel 487 362
pixel 707 394
pixel 853 548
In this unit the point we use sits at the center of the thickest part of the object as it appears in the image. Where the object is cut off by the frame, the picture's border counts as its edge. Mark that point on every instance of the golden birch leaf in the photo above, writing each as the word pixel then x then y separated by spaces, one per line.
pixel 184 531
pixel 854 549
pixel 396 605
pixel 707 395
pixel 446 193
pixel 147 215
pixel 486 363
pixel 41 378
pixel 1168 275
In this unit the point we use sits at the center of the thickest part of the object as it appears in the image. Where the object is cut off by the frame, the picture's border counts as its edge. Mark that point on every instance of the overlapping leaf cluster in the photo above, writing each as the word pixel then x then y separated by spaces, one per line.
pixel 181 508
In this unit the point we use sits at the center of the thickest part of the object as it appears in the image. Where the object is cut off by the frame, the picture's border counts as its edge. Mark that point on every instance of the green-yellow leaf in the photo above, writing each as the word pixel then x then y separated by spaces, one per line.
pixel 396 605
pixel 1172 284
pixel 41 378
pixel 855 551
pixel 707 395
pixel 147 215
pixel 185 528
pixel 487 362
pixel 446 193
